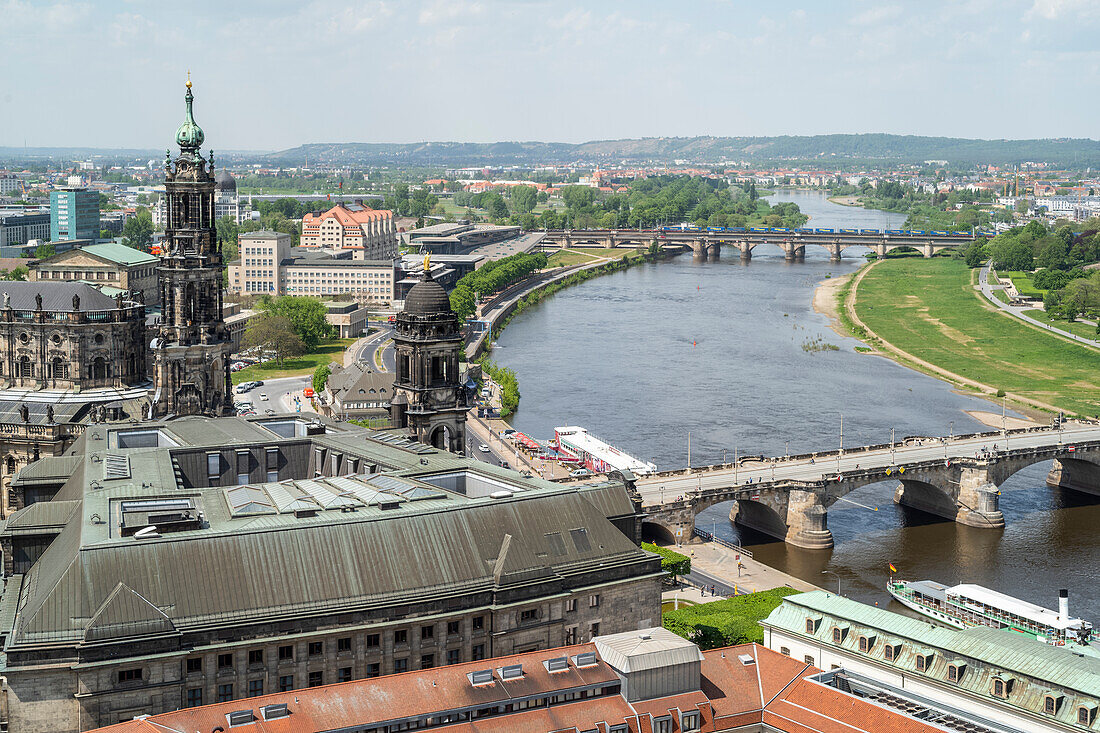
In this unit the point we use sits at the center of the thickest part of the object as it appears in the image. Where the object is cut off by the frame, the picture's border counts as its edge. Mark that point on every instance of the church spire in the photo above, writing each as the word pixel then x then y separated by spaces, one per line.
pixel 189 136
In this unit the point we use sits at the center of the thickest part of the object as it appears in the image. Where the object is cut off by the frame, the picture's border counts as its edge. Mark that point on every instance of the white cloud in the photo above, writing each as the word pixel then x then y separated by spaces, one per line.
pixel 448 11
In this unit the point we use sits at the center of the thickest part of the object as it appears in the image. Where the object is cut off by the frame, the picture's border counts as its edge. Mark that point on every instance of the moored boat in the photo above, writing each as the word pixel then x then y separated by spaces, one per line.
pixel 966 605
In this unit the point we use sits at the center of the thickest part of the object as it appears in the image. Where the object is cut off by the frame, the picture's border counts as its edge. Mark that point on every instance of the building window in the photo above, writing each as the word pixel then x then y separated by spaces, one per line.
pixel 571 635
pixel 343 674
pixel 401 636
pixel 808 659
pixel 286 683
pixel 454 656
pixel 316 648
pixel 785 651
pixel 810 626
pixel 998 688
pixel 194 697
pixel 689 721
pixel 194 664
pixel 1050 704
pixel 129 675
pixel 571 605
pixel 593 629
pixel 452 628
pixel 427 661
pixel 864 644
pixel 316 679
pixel 373 641
pixel 1084 715
pixel 527 615
pixel 255 656
pixel 213 468
pixel 286 652
pixel 255 688
pixel 242 467
pixel 662 725
pixel 225 692
pixel 838 636
pixel 594 600
pixel 954 672
pixel 225 661
pixel 374 670
pixel 891 652
pixel 923 662
pixel 400 665
pixel 478 623
pixel 478 652
pixel 343 644
pixel 427 632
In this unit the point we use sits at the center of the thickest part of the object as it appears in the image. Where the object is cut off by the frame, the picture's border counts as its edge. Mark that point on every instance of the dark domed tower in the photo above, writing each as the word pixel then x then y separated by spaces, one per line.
pixel 192 346
pixel 429 400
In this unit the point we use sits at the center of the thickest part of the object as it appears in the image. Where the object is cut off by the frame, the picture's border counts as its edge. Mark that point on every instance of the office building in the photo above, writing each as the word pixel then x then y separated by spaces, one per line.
pixel 20 227
pixel 172 563
pixel 364 232
pixel 74 214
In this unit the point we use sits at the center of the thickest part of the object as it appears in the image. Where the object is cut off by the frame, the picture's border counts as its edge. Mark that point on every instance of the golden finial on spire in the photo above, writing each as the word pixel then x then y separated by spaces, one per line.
pixel 427 266
pixel 189 78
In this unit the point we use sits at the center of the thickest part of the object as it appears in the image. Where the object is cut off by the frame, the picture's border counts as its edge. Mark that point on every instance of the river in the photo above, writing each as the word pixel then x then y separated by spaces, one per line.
pixel 646 356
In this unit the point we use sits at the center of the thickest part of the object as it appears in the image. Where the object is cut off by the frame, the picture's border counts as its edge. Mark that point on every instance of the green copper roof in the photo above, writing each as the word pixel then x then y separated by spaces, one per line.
pixel 189 135
pixel 120 253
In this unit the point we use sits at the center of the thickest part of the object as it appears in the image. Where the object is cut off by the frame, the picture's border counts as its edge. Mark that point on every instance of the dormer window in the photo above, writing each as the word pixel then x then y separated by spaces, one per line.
pixel 1085 714
pixel 924 661
pixel 891 652
pixel 839 633
pixel 811 625
pixel 1051 703
pixel 866 643
pixel 1001 687
pixel 955 672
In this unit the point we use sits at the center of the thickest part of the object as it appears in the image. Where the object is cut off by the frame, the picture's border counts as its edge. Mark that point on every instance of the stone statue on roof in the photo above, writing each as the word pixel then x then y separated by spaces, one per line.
pixel 38 301
pixel 24 413
pixel 76 301
pixel 49 413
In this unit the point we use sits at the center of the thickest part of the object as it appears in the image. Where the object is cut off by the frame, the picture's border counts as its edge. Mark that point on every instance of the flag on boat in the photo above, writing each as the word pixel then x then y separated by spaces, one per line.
pixel 892 568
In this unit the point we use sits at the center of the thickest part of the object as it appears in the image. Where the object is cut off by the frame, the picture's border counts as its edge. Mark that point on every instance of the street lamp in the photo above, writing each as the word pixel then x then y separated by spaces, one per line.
pixel 891 450
pixel 830 572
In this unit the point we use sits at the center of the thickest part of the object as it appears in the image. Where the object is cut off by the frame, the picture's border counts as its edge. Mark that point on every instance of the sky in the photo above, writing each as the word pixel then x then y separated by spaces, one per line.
pixel 274 74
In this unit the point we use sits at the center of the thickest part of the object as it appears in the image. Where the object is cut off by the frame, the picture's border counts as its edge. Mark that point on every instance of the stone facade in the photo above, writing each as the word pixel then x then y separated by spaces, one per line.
pixel 112 691
pixel 192 347
pixel 111 265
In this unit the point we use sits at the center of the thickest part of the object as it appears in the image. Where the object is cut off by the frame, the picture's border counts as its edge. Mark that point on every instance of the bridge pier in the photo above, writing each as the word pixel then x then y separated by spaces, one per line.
pixel 1076 475
pixel 926 250
pixel 746 251
pixel 880 251
pixel 714 250
pixel 796 516
pixel 834 251
pixel 699 250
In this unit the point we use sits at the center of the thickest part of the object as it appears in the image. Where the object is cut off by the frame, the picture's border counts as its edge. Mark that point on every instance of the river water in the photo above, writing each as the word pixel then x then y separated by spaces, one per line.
pixel 646 356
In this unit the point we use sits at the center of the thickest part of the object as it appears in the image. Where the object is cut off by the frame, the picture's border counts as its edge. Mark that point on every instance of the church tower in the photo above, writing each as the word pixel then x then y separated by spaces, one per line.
pixel 429 401
pixel 192 346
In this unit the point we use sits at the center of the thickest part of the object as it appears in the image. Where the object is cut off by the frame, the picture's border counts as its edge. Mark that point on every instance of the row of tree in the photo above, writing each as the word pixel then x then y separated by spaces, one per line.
pixel 492 277
pixel 288 325
pixel 1026 248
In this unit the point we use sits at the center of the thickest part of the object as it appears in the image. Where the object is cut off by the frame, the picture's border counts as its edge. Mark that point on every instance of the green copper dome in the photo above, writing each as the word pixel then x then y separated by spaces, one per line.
pixel 189 135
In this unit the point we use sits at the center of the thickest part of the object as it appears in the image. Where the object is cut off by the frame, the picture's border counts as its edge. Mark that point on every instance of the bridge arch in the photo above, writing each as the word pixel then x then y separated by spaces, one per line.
pixel 657 532
pixel 926 497
pixel 758 515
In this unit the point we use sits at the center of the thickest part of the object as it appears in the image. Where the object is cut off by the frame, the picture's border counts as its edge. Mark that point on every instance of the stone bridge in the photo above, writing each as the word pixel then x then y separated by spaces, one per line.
pixel 793 242
pixel 789 498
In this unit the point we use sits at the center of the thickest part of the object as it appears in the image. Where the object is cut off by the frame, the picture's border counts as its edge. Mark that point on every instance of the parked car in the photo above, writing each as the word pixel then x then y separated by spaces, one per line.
pixel 263 396
pixel 244 387
pixel 483 448
pixel 580 472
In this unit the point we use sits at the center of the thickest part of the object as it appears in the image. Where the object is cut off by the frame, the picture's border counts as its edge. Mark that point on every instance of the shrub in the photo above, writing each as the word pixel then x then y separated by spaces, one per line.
pixel 726 622
pixel 672 562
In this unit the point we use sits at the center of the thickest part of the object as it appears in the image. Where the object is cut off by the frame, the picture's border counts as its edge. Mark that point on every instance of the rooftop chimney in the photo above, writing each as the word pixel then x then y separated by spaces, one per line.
pixel 1063 604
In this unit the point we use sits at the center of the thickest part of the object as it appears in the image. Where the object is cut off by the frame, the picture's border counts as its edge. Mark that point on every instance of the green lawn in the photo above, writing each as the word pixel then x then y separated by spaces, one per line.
pixel 1023 284
pixel 332 350
pixel 930 309
pixel 1000 295
pixel 1083 330
pixel 726 622
pixel 612 252
pixel 566 257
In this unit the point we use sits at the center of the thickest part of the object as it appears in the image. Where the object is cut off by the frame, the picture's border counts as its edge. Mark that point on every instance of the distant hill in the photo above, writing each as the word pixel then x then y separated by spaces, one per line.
pixel 828 149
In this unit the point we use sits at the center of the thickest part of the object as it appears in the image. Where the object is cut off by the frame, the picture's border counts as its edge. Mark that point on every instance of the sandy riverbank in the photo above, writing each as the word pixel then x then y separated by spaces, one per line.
pixel 846 200
pixel 826 301
pixel 993 420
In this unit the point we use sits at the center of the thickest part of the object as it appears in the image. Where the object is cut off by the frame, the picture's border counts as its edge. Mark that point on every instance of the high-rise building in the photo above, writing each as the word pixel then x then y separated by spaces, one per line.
pixel 74 214
pixel 429 400
pixel 192 347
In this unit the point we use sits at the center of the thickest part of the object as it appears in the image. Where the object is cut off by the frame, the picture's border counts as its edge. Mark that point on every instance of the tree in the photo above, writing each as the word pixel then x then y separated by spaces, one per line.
pixel 43 251
pixel 306 316
pixel 320 378
pixel 138 230
pixel 16 273
pixel 524 199
pixel 975 254
pixel 275 334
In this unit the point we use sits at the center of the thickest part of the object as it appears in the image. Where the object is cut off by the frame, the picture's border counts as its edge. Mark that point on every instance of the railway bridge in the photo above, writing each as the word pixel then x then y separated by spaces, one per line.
pixel 793 242
pixel 788 497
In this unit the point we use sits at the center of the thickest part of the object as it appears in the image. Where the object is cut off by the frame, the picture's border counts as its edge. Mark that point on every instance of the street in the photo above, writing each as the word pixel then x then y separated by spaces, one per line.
pixel 280 395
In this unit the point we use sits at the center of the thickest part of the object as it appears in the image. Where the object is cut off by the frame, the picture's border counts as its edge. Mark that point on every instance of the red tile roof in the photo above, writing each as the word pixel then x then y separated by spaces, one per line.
pixel 772 689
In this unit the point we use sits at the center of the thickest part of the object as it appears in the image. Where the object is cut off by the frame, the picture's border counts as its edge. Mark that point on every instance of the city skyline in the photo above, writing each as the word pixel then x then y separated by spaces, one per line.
pixel 273 76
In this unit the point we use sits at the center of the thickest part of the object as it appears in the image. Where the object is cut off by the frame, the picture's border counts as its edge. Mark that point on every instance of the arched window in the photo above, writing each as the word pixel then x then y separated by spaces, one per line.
pixel 998 688
pixel 59 368
pixel 25 367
